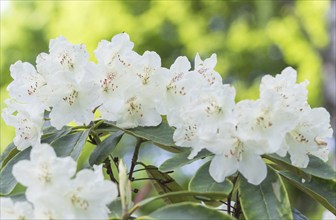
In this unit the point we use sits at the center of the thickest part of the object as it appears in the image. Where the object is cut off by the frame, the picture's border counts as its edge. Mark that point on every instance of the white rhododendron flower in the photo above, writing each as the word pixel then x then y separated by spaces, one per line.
pixel 28 86
pixel 27 121
pixel 56 192
pixel 88 194
pixel 211 105
pixel 137 110
pixel 132 90
pixel 15 210
pixel 63 57
pixel 72 101
pixel 308 137
pixel 206 69
pixel 260 120
pixel 46 170
pixel 178 85
pixel 234 152
pixel 110 52
pixel 73 95
pixel 290 96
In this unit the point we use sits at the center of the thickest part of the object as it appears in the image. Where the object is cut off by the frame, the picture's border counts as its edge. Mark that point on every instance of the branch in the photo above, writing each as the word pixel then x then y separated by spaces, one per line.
pixel 135 158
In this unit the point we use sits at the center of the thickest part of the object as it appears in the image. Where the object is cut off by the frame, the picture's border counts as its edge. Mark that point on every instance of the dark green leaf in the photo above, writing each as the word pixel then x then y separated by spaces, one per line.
pixel 161 136
pixel 107 128
pixel 70 144
pixel 297 215
pixel 188 210
pixel 181 159
pixel 269 200
pixel 203 182
pixel 105 148
pixel 8 182
pixel 316 167
pixel 9 152
pixel 50 134
pixel 163 183
pixel 322 190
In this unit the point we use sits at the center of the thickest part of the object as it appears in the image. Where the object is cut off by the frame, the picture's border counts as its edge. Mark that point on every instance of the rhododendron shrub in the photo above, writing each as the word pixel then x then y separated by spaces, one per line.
pixel 249 147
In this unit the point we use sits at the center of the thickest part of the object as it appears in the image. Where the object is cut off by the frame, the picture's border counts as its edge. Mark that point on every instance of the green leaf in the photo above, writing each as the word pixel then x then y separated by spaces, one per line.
pixel 181 159
pixel 161 136
pixel 8 154
pixel 163 183
pixel 50 134
pixel 107 128
pixel 8 182
pixel 203 182
pixel 297 215
pixel 115 209
pixel 150 200
pixel 322 190
pixel 269 200
pixel 105 148
pixel 70 144
pixel 316 167
pixel 189 211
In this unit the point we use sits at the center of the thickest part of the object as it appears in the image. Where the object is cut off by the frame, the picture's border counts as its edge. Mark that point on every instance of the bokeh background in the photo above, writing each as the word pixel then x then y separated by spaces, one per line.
pixel 251 39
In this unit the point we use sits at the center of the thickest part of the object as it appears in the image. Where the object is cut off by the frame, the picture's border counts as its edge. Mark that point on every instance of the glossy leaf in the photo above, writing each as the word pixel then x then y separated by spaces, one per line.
pixel 181 159
pixel 8 182
pixel 9 152
pixel 115 209
pixel 269 200
pixel 70 144
pixel 319 189
pixel 161 136
pixel 203 182
pixel 316 167
pixel 50 134
pixel 297 215
pixel 189 211
pixel 105 148
pixel 163 183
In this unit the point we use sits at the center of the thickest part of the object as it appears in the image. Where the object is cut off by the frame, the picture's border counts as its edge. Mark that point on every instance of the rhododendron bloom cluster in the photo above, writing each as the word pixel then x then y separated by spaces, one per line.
pixel 134 90
pixel 55 192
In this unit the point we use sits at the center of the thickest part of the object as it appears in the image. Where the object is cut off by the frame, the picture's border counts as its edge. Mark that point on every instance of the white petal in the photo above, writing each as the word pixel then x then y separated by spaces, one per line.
pixel 253 168
pixel 221 167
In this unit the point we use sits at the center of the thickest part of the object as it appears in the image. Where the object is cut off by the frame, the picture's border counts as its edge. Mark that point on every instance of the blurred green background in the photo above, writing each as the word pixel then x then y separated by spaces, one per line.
pixel 250 38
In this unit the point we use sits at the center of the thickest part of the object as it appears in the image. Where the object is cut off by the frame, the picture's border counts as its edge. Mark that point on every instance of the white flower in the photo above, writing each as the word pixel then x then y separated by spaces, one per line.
pixel 178 84
pixel 63 57
pixel 18 210
pixel 206 69
pixel 188 134
pixel 27 121
pixel 137 110
pixel 108 53
pixel 69 75
pixel 307 138
pixel 88 195
pixel 44 172
pixel 210 105
pixel 291 96
pixel 72 101
pixel 234 153
pixel 113 81
pixel 262 120
pixel 28 86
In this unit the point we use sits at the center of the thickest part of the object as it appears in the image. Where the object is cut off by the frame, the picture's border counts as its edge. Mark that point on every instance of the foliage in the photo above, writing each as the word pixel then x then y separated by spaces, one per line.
pixel 266 200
